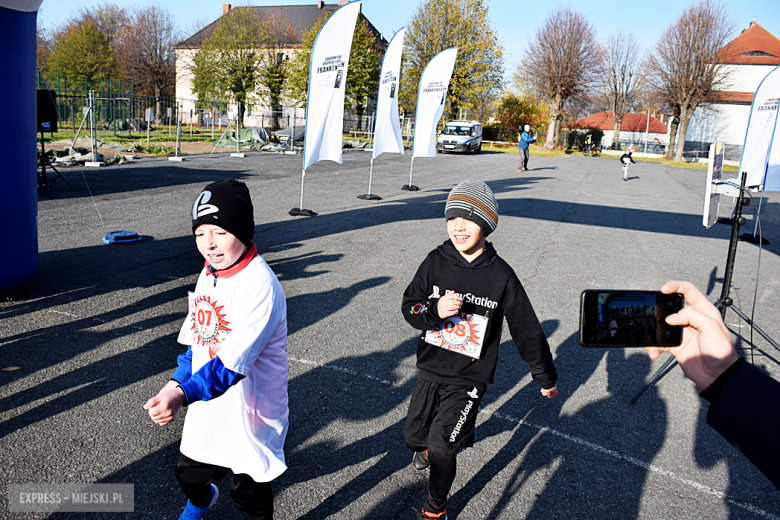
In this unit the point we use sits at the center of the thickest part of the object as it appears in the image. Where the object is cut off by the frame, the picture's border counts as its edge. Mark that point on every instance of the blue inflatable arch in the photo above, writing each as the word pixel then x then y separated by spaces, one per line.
pixel 18 183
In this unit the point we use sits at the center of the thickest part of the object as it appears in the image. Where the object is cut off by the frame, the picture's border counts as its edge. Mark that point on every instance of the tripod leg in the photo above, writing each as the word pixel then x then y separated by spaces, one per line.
pixel 59 176
pixel 668 364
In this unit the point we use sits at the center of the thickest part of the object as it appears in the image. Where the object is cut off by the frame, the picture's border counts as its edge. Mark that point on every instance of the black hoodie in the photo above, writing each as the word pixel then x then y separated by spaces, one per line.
pixel 490 289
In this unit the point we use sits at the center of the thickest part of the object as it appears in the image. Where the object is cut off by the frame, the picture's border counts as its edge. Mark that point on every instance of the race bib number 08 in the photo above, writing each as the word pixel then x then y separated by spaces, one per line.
pixel 462 333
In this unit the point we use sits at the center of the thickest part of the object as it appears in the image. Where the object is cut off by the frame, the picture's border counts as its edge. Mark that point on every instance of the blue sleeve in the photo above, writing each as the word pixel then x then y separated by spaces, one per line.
pixel 211 381
pixel 184 371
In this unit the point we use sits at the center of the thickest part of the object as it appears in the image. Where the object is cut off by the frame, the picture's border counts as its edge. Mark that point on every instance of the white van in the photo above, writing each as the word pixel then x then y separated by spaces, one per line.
pixel 460 136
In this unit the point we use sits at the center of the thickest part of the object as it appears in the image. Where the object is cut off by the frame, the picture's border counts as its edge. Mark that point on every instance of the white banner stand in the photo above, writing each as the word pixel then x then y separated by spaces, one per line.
pixel 431 96
pixel 387 132
pixel 325 98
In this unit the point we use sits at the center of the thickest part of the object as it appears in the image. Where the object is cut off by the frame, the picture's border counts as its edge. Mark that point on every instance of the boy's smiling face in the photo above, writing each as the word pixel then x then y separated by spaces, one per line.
pixel 466 236
pixel 220 248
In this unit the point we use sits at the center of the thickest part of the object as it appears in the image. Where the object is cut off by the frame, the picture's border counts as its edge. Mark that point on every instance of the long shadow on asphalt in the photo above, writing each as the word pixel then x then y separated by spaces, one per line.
pixel 40 349
pixel 113 181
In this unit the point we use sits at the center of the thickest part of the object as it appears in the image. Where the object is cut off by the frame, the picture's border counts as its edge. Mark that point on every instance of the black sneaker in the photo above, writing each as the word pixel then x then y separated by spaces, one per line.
pixel 420 460
pixel 425 515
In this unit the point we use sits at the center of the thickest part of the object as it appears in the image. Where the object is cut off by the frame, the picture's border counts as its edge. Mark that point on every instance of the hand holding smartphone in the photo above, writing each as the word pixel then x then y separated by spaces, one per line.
pixel 629 319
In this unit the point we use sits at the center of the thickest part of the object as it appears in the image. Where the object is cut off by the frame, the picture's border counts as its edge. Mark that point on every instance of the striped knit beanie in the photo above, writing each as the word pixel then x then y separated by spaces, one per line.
pixel 474 201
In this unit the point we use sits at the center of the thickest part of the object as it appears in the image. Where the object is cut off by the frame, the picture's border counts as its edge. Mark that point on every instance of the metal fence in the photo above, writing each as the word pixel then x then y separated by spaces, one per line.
pixel 138 117
pixel 701 150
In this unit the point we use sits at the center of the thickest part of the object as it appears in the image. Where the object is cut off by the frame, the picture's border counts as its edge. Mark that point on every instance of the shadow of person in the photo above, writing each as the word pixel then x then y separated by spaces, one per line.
pixel 574 364
pixel 360 399
pixel 345 437
pixel 579 455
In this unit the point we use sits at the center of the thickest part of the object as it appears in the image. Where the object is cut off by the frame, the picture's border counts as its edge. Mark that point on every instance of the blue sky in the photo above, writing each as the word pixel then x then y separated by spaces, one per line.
pixel 515 20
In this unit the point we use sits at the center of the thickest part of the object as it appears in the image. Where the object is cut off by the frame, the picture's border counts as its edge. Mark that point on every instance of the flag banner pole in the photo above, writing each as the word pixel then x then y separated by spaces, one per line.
pixel 431 97
pixel 760 134
pixel 386 125
pixel 238 153
pixel 761 150
pixel 369 196
pixel 410 186
pixel 325 96
pixel 300 212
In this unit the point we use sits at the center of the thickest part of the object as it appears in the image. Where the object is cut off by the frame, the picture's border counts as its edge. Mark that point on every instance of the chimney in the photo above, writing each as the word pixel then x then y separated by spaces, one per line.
pixel 345 2
pixel 320 4
pixel 225 9
pixel 753 23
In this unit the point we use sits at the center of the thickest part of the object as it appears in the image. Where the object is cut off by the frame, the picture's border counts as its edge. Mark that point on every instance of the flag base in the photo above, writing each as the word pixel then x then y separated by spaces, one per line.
pixel 407 187
pixel 297 212
pixel 754 239
pixel 369 196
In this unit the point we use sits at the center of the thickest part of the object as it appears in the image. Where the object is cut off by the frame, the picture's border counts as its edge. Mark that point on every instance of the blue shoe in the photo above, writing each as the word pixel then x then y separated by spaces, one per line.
pixel 196 513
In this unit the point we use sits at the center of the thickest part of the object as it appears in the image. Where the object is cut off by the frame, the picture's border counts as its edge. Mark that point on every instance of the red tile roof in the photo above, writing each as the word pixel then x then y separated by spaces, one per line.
pixel 631 123
pixel 754 46
pixel 724 96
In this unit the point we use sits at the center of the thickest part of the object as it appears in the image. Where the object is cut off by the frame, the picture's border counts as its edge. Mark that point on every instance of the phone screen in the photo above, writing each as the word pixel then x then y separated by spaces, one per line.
pixel 629 319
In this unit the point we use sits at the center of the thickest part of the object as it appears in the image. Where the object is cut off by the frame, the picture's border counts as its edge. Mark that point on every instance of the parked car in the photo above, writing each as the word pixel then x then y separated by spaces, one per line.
pixel 460 136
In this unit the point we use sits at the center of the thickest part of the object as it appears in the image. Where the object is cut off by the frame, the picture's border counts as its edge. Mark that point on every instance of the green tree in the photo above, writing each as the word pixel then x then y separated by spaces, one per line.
pixel 515 111
pixel 229 64
pixel 82 51
pixel 365 63
pixel 279 35
pixel 479 67
pixel 298 75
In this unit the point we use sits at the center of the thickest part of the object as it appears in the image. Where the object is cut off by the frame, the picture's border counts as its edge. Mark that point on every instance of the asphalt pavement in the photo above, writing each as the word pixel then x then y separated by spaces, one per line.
pixel 94 334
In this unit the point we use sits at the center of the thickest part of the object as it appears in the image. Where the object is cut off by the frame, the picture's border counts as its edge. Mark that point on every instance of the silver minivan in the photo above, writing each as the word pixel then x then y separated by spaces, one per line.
pixel 460 136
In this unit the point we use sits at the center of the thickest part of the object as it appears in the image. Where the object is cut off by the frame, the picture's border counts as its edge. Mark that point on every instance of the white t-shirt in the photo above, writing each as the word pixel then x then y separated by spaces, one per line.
pixel 243 320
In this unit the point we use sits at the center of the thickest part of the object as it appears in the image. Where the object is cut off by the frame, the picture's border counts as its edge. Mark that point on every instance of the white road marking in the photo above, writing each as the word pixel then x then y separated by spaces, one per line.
pixel 544 429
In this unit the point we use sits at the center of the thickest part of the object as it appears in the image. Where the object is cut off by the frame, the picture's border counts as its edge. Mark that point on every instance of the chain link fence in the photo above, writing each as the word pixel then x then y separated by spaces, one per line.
pixel 205 125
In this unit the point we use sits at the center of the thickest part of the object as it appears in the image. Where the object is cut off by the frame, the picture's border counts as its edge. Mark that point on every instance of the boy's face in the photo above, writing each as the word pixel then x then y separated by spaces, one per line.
pixel 466 236
pixel 220 248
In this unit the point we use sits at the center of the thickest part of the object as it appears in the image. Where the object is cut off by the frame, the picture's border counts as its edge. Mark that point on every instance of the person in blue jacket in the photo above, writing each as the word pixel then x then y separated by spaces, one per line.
pixel 522 144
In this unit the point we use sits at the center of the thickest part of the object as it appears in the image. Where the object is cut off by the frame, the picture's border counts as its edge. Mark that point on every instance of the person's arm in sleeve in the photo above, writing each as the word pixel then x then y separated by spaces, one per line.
pixel 210 381
pixel 531 342
pixel 184 370
pixel 419 310
pixel 745 402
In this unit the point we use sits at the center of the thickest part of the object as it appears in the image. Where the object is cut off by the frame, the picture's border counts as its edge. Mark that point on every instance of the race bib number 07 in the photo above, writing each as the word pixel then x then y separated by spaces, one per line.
pixel 211 319
pixel 462 333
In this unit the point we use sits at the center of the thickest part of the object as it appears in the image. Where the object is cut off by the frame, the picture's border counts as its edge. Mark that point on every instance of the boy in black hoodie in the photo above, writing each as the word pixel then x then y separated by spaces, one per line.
pixel 459 298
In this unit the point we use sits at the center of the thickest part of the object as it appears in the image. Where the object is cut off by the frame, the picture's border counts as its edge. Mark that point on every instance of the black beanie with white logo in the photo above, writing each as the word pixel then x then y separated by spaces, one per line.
pixel 227 204
pixel 474 201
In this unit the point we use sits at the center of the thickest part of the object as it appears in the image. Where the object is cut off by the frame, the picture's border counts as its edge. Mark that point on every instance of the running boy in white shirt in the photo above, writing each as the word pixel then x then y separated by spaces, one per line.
pixel 234 373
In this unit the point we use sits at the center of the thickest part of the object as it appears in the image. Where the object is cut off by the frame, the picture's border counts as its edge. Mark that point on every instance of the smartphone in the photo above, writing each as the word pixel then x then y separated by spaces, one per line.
pixel 629 319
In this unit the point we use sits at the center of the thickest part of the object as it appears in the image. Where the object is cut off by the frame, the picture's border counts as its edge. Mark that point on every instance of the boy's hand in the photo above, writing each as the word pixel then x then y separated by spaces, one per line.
pixel 552 392
pixel 164 407
pixel 449 305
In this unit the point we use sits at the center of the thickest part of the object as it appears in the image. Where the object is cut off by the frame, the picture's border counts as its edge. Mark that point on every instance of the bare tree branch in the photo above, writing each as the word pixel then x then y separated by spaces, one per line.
pixel 688 64
pixel 563 59
pixel 146 53
pixel 622 79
